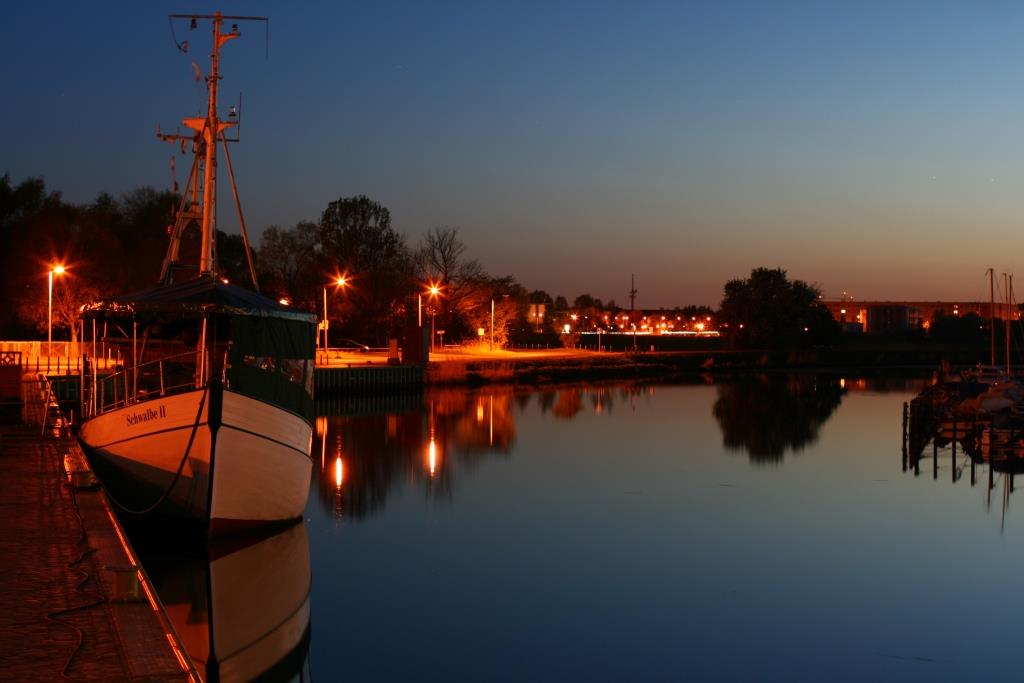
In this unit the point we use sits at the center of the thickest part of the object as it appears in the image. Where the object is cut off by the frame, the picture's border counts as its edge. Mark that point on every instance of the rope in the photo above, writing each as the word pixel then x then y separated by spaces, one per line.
pixel 181 466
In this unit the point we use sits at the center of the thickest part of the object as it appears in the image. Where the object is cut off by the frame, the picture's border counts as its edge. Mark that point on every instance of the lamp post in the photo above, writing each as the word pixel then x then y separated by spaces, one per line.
pixel 340 281
pixel 433 290
pixel 56 270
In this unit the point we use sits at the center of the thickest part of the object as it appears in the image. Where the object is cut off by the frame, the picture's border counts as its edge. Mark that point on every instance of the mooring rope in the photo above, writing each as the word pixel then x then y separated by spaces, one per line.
pixel 177 475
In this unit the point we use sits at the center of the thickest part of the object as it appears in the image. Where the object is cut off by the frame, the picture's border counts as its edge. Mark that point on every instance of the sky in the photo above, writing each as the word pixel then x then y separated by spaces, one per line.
pixel 872 148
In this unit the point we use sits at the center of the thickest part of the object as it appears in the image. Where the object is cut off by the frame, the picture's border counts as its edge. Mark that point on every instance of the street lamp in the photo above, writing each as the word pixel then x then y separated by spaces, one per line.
pixel 433 290
pixel 56 270
pixel 340 281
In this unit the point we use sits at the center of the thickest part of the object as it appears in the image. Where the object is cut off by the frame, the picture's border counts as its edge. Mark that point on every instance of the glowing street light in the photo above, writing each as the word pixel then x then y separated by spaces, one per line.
pixel 56 270
pixel 340 281
pixel 434 290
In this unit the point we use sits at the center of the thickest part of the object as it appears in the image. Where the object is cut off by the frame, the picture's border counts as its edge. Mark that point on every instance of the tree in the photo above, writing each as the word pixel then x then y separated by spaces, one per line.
pixel 586 301
pixel 969 328
pixel 69 294
pixel 356 238
pixel 466 288
pixel 287 260
pixel 504 292
pixel 767 310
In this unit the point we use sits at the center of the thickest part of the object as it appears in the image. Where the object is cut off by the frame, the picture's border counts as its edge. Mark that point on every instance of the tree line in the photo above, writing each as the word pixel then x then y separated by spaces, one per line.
pixel 115 245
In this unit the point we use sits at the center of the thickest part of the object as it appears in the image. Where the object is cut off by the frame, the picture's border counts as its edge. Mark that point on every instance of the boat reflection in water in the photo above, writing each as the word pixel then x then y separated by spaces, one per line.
pixel 242 610
pixel 972 449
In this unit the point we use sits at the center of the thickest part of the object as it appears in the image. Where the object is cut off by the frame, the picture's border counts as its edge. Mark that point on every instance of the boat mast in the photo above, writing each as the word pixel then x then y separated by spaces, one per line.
pixel 1006 318
pixel 208 130
pixel 992 315
pixel 1009 317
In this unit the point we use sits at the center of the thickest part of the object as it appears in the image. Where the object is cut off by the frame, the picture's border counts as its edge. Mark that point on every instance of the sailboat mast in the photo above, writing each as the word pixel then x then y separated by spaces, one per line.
pixel 1006 319
pixel 992 314
pixel 1009 317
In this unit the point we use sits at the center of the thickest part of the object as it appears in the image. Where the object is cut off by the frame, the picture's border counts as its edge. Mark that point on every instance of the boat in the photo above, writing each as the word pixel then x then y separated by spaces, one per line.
pixel 240 606
pixel 197 394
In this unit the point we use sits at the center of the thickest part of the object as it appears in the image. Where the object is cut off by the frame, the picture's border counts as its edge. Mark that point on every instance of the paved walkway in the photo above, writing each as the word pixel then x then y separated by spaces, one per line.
pixel 71 602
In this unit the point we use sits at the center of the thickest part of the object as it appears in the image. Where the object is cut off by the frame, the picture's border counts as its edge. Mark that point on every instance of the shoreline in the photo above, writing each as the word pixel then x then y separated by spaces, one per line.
pixel 580 366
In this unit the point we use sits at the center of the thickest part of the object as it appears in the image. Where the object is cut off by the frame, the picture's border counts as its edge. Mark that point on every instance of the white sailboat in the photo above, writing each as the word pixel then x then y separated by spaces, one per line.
pixel 208 413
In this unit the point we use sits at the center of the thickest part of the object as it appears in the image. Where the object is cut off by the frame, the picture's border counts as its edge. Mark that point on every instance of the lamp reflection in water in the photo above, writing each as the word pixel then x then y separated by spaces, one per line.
pixel 432 456
pixel 339 478
pixel 432 446
pixel 241 608
pixel 321 431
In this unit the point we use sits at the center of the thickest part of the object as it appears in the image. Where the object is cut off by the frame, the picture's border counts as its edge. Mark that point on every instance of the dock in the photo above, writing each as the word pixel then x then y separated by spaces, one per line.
pixel 75 602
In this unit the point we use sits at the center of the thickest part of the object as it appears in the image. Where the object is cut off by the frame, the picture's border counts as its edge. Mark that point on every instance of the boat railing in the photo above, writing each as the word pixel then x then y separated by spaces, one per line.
pixel 127 385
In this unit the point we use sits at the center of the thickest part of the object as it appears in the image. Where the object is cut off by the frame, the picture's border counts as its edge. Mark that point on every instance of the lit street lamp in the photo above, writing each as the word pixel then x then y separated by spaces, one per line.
pixel 340 281
pixel 56 270
pixel 433 291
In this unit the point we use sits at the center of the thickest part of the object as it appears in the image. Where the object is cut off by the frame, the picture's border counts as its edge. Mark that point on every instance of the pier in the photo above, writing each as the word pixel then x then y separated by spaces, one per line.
pixel 75 602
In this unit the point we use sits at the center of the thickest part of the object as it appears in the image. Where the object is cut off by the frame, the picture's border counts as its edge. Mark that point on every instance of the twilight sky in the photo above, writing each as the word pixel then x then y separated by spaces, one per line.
pixel 875 148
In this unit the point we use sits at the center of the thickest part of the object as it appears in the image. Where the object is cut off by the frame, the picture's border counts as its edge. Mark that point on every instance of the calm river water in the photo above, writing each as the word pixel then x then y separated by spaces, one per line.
pixel 759 529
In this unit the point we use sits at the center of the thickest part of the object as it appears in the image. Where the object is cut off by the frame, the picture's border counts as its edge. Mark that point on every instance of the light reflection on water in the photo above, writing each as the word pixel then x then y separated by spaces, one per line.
pixel 762 528
pixel 756 529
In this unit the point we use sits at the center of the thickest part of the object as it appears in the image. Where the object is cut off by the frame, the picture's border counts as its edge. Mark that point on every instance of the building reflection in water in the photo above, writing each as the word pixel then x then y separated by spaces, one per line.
pixel 768 414
pixel 240 605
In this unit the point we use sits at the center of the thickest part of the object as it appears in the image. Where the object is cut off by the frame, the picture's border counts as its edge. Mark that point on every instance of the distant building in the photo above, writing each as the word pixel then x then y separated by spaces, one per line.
pixel 892 317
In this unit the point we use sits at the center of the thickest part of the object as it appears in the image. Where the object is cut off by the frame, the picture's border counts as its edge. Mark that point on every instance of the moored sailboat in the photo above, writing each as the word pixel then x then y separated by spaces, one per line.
pixel 207 413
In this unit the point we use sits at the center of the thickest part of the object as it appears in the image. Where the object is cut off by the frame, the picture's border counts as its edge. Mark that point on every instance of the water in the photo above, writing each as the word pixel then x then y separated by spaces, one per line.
pixel 761 529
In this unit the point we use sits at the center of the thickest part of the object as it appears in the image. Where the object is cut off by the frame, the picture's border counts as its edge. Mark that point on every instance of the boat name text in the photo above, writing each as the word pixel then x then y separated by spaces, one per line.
pixel 150 414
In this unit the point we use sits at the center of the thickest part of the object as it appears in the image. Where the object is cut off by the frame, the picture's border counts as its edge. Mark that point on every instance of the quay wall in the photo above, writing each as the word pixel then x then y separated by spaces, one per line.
pixel 366 378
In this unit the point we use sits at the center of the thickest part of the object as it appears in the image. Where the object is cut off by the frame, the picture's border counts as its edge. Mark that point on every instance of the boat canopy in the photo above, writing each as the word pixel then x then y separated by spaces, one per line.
pixel 201 296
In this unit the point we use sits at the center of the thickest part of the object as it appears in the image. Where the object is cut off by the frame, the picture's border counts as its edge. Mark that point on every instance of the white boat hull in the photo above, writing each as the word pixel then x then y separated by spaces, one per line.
pixel 248 463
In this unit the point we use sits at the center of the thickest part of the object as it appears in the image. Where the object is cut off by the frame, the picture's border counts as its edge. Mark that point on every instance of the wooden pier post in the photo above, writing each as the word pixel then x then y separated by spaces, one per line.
pixel 906 420
pixel 991 454
pixel 952 457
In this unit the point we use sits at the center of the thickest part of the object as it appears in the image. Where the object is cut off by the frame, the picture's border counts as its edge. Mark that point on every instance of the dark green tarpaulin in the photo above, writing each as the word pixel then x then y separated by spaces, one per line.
pixel 272 387
pixel 252 336
pixel 272 342
pixel 200 296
